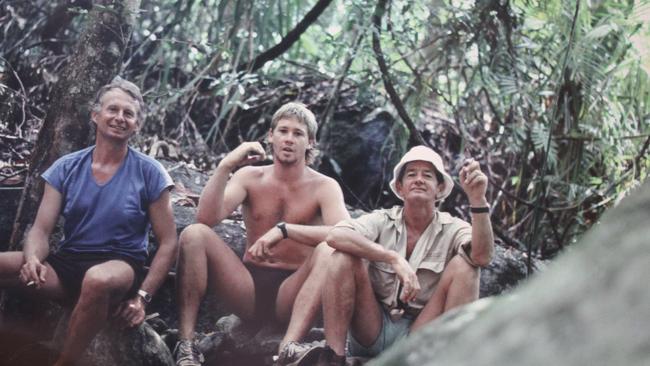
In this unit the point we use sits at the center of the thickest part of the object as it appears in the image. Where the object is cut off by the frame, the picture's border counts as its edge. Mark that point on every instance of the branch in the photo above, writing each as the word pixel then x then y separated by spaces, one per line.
pixel 288 40
pixel 415 138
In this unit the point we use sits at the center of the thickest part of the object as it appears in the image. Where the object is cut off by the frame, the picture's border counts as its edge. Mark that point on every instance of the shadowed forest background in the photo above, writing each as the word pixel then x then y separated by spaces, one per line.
pixel 552 97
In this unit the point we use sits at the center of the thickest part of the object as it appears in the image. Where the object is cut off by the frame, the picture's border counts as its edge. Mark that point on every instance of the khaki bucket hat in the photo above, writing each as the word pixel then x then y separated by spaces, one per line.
pixel 423 153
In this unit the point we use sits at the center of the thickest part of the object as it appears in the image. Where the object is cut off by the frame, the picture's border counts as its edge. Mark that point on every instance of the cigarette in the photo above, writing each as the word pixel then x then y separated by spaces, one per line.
pixel 31 283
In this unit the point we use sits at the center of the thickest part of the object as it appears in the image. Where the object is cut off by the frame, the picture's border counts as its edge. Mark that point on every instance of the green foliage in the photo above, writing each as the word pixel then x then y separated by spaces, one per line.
pixel 555 103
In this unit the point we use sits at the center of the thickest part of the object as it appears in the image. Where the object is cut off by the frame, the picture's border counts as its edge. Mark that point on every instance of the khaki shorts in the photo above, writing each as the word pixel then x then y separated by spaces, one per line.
pixel 391 331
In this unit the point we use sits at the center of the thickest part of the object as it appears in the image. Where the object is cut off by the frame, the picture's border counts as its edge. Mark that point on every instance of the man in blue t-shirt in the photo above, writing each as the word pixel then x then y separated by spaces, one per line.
pixel 109 196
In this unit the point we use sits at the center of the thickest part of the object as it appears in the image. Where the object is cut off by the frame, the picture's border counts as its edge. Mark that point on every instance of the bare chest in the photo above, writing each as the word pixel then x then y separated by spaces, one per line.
pixel 273 203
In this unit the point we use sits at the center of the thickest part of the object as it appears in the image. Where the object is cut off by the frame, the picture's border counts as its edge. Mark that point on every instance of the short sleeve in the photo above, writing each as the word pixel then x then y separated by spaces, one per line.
pixel 462 243
pixel 158 180
pixel 55 175
pixel 368 225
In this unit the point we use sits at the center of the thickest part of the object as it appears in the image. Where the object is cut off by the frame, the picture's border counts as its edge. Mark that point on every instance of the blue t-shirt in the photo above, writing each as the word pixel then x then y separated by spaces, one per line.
pixel 111 217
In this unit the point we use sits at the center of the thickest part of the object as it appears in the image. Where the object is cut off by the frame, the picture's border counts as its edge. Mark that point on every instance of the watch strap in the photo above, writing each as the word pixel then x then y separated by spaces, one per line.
pixel 485 209
pixel 283 228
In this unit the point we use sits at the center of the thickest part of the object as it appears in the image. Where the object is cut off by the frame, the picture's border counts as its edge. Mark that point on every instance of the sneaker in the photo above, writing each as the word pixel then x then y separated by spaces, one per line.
pixel 186 354
pixel 294 351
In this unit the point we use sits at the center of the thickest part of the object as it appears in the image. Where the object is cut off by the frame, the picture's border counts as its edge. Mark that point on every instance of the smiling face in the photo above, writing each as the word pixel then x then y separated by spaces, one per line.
pixel 289 140
pixel 419 182
pixel 117 116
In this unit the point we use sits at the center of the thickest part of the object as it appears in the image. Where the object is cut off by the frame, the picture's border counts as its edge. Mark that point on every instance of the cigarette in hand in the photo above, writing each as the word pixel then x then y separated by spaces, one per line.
pixel 31 283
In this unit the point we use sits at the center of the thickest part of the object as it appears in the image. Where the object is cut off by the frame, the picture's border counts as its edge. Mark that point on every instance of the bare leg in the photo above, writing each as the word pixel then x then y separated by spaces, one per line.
pixel 299 297
pixel 349 303
pixel 10 264
pixel 459 285
pixel 203 255
pixel 103 287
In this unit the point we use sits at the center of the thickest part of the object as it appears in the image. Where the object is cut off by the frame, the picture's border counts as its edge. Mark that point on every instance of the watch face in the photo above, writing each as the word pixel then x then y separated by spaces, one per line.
pixel 145 296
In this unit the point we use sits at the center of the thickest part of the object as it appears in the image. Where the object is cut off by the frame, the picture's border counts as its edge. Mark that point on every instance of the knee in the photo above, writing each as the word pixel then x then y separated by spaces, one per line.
pixel 322 253
pixel 98 283
pixel 193 237
pixel 343 263
pixel 461 270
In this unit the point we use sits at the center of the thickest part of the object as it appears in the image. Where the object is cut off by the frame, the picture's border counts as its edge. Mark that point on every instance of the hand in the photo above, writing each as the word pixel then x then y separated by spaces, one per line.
pixel 131 311
pixel 33 271
pixel 410 283
pixel 262 248
pixel 474 182
pixel 244 154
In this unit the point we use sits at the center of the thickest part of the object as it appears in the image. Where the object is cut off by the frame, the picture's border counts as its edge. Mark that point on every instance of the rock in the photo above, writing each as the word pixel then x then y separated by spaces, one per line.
pixel 588 308
pixel 141 346
pixel 507 270
pixel 361 156
pixel 234 342
pixel 114 345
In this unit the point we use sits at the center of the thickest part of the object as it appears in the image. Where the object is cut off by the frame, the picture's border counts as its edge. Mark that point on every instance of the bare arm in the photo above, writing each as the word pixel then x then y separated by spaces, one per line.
pixel 36 244
pixel 220 197
pixel 164 228
pixel 349 241
pixel 474 183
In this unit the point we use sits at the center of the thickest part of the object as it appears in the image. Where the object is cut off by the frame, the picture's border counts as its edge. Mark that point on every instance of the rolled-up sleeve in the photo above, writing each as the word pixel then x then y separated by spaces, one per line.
pixel 368 225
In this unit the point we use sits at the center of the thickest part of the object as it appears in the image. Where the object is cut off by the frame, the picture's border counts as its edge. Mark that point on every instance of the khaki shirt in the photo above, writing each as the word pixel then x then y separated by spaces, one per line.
pixel 437 245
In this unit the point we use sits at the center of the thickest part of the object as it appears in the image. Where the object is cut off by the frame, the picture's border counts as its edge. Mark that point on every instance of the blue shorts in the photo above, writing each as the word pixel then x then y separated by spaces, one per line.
pixel 391 331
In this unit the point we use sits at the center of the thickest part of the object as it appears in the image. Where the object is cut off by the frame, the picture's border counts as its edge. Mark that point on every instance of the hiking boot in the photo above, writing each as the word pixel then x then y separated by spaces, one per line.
pixel 186 354
pixel 294 351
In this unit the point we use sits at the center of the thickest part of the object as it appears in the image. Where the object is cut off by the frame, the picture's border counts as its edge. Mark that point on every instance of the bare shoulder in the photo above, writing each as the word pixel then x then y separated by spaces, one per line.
pixel 323 184
pixel 248 174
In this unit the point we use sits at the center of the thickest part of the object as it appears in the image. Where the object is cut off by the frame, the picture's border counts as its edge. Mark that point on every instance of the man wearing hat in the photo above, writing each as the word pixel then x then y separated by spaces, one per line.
pixel 396 269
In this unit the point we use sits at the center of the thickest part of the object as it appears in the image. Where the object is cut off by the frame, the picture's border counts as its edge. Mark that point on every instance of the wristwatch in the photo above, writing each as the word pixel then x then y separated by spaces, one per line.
pixel 144 295
pixel 283 228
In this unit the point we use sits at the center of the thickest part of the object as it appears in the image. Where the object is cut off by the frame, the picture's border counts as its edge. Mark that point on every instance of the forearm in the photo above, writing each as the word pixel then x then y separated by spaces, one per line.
pixel 36 245
pixel 482 239
pixel 162 262
pixel 212 196
pixel 351 242
pixel 307 234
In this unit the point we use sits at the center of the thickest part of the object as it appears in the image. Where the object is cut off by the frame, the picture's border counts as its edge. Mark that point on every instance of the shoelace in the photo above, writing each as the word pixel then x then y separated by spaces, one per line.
pixel 186 351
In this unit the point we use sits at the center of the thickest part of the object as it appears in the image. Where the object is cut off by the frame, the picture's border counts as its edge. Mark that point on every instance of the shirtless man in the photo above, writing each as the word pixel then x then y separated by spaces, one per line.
pixel 288 209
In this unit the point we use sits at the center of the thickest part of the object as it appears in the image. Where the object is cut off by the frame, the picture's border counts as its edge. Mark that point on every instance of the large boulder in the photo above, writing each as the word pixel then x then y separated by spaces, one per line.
pixel 360 155
pixel 590 307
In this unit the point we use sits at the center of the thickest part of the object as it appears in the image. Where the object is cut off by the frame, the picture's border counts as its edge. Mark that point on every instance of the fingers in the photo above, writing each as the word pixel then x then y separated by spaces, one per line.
pixel 410 283
pixel 250 152
pixel 131 312
pixel 471 176
pixel 259 251
pixel 475 177
pixel 42 272
pixel 410 289
pixel 33 274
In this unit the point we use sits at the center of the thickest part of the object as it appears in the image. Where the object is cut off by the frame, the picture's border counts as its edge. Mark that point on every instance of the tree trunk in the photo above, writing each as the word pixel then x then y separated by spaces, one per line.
pixel 94 62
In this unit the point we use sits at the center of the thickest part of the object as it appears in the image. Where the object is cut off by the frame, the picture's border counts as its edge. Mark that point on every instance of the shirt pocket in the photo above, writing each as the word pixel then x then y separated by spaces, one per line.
pixel 429 273
pixel 384 281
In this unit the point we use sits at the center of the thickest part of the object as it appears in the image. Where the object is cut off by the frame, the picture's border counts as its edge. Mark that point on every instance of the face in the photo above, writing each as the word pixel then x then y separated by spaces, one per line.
pixel 117 118
pixel 289 141
pixel 419 182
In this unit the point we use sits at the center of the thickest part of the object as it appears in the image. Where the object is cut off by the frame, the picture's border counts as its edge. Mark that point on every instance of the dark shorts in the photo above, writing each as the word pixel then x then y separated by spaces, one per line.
pixel 267 282
pixel 71 268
